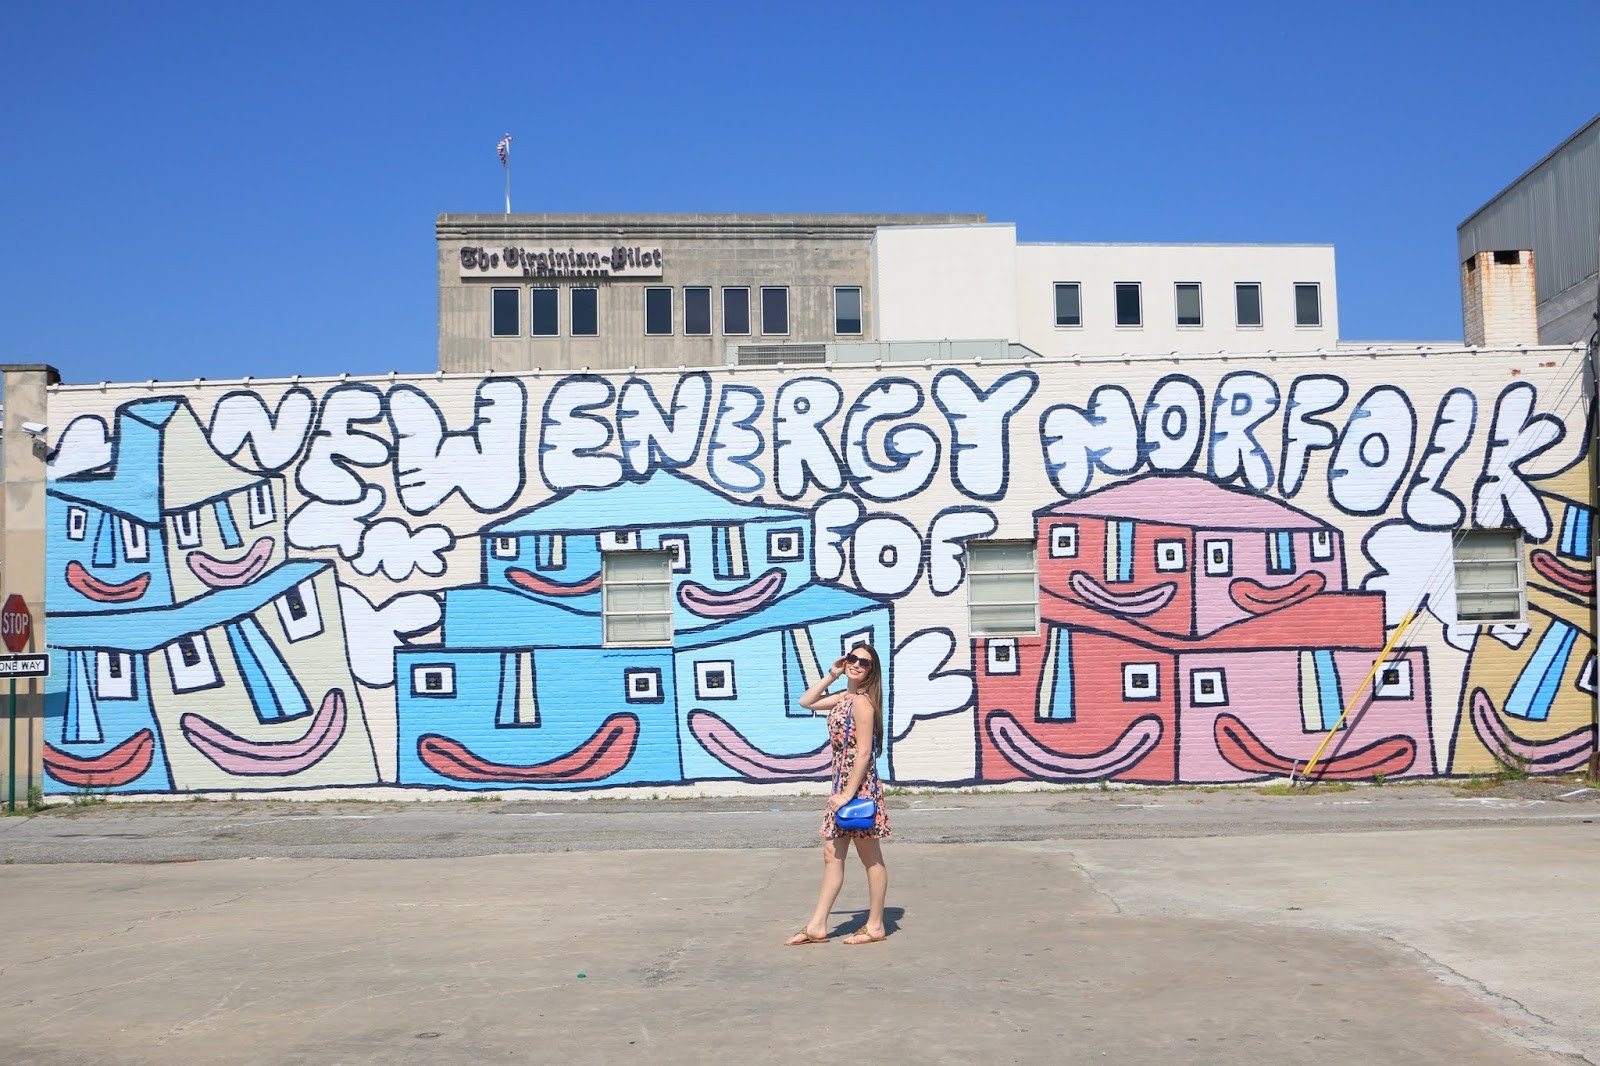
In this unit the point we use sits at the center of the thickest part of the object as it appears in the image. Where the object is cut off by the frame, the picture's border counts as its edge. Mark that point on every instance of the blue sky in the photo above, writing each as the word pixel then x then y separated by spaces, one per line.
pixel 220 190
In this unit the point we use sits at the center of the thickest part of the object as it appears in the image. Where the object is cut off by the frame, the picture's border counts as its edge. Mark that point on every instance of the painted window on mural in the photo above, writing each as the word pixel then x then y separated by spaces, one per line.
pixel 1141 681
pixel 1003 588
pixel 713 680
pixel 189 660
pixel 506 547
pixel 1064 541
pixel 135 544
pixel 636 597
pixel 1119 552
pixel 677 545
pixel 1322 544
pixel 437 680
pixel 1393 680
pixel 262 505
pixel 1489 580
pixel 1576 532
pixel 186 525
pixel 1171 555
pixel 1280 552
pixel 1219 558
pixel 643 685
pixel 299 611
pixel 114 676
pixel 786 545
pixel 1208 688
pixel 77 523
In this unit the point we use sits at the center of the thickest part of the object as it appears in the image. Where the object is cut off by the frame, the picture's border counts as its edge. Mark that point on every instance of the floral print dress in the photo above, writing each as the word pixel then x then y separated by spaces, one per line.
pixel 842 736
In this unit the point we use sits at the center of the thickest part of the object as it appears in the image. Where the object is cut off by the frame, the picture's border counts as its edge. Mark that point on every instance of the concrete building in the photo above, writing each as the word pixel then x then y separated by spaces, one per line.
pixel 562 292
pixel 1538 235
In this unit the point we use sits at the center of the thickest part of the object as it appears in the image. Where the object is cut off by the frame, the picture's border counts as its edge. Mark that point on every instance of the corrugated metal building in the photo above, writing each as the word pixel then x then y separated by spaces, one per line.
pixel 1554 211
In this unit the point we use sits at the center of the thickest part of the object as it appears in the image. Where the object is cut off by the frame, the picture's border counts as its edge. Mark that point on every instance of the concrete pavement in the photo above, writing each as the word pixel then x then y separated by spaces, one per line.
pixel 1447 945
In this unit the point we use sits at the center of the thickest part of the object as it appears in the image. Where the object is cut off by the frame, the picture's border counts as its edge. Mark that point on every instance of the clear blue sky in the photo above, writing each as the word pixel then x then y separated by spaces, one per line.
pixel 221 189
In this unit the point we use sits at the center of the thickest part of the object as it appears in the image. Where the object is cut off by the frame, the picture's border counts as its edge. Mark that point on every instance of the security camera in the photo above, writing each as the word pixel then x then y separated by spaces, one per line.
pixel 35 429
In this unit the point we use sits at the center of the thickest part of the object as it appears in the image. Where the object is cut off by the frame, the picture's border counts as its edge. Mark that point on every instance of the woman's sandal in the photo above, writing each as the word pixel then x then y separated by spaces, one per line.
pixel 864 937
pixel 804 937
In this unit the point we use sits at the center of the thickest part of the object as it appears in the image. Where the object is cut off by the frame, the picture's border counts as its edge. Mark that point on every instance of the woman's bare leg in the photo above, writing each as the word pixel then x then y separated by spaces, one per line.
pixel 833 856
pixel 870 850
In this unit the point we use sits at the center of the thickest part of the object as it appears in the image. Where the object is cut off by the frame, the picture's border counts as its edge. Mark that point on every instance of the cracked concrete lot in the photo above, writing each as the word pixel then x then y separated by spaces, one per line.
pixel 1435 945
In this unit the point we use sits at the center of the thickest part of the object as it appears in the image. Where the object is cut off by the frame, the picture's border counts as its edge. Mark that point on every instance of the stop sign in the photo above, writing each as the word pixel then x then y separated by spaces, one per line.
pixel 16 624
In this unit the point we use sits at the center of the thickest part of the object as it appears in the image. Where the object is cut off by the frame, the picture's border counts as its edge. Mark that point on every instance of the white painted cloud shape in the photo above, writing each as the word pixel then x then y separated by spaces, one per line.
pixel 241 420
pixel 1416 571
pixel 318 525
pixel 373 633
pixel 391 546
pixel 84 445
pixel 922 688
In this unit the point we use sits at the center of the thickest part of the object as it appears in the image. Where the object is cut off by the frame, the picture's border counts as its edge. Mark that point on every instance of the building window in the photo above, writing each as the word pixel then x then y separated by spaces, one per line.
pixel 697 312
pixel 1141 681
pixel 585 312
pixel 1069 304
pixel 505 307
pixel 1187 295
pixel 1000 655
pixel 299 611
pixel 736 311
pixel 642 685
pixel 1171 555
pixel 847 311
pixel 114 676
pixel 658 312
pixel 1129 311
pixel 1247 304
pixel 636 597
pixel 1002 588
pixel 135 544
pixel 1208 687
pixel 1307 304
pixel 1219 558
pixel 77 523
pixel 775 311
pixel 1393 681
pixel 1489 585
pixel 507 547
pixel 544 312
pixel 713 680
pixel 1064 542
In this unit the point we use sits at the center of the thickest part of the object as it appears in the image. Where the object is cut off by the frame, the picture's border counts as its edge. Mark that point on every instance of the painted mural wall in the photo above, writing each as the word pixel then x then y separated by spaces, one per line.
pixel 396 582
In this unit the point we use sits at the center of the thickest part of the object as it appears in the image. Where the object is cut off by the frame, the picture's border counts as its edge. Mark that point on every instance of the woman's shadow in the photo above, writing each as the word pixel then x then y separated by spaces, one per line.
pixel 858 922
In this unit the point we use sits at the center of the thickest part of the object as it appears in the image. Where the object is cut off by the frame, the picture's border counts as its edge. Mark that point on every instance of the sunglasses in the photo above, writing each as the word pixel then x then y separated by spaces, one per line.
pixel 858 661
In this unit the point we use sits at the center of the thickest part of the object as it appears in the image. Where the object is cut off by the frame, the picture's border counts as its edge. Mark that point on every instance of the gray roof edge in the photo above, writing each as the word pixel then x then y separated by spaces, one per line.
pixel 1520 178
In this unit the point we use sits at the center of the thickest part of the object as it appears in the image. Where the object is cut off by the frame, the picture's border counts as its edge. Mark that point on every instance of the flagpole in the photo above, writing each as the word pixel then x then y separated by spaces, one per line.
pixel 508 179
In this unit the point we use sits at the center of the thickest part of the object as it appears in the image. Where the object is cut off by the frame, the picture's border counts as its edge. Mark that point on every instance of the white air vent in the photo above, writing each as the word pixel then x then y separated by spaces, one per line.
pixel 772 354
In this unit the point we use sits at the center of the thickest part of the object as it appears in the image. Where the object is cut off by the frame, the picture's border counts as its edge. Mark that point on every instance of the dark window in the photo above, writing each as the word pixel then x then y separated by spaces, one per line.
pixel 543 313
pixel 697 312
pixel 295 602
pixel 736 311
pixel 1307 305
pixel 188 652
pixel 1129 312
pixel 1507 258
pixel 585 312
pixel 1247 303
pixel 775 311
pixel 1069 305
pixel 505 304
pixel 1188 299
pixel 658 312
pixel 847 310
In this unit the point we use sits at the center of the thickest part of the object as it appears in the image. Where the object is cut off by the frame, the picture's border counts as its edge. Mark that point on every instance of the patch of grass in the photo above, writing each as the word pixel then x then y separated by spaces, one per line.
pixel 35 798
pixel 88 797
pixel 1516 769
pixel 481 798
pixel 1284 788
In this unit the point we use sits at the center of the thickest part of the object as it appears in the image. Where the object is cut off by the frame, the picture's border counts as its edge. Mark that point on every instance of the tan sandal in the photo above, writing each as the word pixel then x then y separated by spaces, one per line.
pixel 804 937
pixel 864 937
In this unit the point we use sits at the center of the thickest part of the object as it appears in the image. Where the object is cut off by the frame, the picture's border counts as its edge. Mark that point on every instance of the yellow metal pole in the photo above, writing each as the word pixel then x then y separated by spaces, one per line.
pixel 1376 663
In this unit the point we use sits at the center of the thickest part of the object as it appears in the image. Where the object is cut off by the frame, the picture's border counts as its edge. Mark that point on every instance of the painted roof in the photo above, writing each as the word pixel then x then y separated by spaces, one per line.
pixel 665 499
pixel 805 606
pixel 147 628
pixel 162 461
pixel 493 617
pixel 1331 620
pixel 1186 500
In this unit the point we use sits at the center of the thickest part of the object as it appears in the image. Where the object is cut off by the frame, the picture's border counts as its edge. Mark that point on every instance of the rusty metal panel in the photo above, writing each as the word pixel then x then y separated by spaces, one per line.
pixel 1553 209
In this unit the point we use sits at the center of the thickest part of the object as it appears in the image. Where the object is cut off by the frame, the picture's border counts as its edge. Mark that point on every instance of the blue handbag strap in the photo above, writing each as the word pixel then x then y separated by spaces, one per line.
pixel 850 727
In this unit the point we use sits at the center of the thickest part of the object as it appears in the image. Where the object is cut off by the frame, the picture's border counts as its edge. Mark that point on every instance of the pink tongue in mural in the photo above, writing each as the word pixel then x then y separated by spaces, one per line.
pixel 711 603
pixel 241 571
pixel 103 591
pixel 730 748
pixel 259 758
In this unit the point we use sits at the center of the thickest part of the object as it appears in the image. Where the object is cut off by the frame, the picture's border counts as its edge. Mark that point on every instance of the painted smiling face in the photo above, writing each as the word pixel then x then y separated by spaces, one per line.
pixel 109 560
pixel 225 542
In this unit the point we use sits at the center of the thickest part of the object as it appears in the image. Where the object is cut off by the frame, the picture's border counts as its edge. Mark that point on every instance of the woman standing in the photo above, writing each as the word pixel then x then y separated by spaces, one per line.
pixel 855 730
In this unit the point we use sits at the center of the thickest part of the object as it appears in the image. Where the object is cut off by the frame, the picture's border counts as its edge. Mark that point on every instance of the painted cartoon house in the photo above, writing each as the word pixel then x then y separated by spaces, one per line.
pixel 525 690
pixel 1545 723
pixel 195 656
pixel 1217 645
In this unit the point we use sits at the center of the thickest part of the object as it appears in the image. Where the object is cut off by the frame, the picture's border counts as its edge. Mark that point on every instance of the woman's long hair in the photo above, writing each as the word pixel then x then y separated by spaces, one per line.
pixel 872 685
